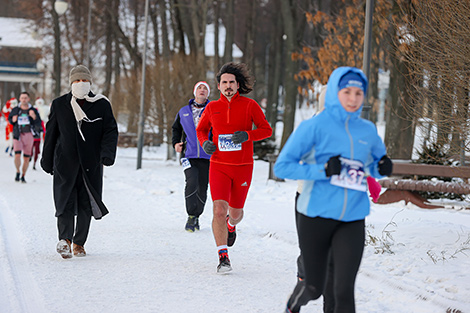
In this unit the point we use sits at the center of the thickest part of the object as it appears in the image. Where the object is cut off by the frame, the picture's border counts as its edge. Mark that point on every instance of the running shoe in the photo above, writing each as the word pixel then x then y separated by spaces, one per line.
pixel 192 224
pixel 224 264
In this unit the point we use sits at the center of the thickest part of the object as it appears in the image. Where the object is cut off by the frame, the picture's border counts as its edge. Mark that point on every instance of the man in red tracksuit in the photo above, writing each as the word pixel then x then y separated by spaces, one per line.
pixel 230 122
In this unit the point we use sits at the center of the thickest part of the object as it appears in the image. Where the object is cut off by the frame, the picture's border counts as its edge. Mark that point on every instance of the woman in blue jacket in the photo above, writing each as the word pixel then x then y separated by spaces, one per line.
pixel 333 153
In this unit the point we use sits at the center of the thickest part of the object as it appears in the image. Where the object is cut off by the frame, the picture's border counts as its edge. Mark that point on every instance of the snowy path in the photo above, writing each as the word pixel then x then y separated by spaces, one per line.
pixel 18 290
pixel 141 259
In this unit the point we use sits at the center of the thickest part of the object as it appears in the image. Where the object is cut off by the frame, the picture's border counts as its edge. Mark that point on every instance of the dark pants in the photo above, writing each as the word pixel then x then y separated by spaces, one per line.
pixel 36 151
pixel 195 192
pixel 79 205
pixel 328 295
pixel 322 240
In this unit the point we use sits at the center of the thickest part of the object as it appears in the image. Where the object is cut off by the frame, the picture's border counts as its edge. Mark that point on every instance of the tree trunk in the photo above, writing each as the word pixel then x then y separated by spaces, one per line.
pixel 165 40
pixel 108 50
pixel 229 31
pixel 288 15
pixel 399 134
pixel 153 12
pixel 216 36
pixel 274 74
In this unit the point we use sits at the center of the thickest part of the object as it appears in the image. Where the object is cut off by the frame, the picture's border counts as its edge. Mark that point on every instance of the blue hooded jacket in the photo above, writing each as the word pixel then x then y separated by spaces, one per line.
pixel 332 132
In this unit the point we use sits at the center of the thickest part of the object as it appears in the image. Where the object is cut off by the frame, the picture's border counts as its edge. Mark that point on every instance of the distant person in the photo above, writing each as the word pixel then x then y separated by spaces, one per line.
pixel 43 109
pixel 6 110
pixel 332 153
pixel 230 121
pixel 81 137
pixel 193 158
pixel 26 124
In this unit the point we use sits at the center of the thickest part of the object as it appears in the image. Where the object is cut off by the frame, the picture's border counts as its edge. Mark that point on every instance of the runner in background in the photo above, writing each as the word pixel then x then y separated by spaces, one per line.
pixel 193 158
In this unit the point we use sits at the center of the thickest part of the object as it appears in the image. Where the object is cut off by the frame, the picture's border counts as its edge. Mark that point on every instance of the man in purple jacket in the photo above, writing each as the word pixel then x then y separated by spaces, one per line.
pixel 193 158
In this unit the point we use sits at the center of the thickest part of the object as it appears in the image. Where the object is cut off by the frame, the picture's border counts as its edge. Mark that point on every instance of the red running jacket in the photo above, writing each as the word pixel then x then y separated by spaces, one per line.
pixel 225 118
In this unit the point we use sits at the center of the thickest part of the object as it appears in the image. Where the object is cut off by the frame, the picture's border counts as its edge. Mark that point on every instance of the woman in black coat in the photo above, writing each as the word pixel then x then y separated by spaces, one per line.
pixel 81 137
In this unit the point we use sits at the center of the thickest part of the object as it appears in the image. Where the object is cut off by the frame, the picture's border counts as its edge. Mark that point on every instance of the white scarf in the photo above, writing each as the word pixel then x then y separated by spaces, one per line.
pixel 80 116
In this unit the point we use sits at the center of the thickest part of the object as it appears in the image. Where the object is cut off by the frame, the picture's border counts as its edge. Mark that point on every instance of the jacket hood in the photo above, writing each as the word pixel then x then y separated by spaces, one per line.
pixel 332 104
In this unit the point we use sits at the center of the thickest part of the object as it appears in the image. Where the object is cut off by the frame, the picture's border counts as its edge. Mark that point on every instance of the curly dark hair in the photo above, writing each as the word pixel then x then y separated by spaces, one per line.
pixel 242 76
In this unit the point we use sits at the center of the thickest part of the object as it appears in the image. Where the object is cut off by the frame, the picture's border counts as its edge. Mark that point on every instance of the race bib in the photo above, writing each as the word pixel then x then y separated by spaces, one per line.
pixel 351 176
pixel 226 143
pixel 23 119
pixel 186 164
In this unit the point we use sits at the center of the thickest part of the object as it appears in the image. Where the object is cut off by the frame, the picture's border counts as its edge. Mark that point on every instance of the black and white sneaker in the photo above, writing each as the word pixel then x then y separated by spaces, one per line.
pixel 17 177
pixel 192 224
pixel 224 264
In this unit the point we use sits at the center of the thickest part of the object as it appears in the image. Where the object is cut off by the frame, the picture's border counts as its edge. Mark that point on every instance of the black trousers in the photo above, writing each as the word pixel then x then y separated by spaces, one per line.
pixel 328 294
pixel 79 206
pixel 197 180
pixel 323 241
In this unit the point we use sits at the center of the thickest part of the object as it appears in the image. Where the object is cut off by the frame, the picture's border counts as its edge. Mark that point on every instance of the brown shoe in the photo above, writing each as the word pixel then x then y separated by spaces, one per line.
pixel 63 248
pixel 78 250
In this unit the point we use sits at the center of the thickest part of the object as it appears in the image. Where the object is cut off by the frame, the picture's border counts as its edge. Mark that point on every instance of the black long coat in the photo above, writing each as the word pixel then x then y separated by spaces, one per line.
pixel 65 152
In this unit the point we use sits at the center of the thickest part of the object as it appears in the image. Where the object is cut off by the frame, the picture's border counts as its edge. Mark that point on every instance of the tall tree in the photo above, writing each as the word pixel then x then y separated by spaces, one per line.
pixel 293 21
pixel 229 29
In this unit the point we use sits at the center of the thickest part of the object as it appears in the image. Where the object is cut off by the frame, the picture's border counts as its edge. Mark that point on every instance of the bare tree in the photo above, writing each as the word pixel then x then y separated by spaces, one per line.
pixel 434 48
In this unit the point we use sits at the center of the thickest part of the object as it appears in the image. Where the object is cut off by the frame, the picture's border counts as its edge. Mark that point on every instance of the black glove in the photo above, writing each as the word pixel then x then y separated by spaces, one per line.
pixel 385 166
pixel 239 137
pixel 107 161
pixel 333 166
pixel 209 147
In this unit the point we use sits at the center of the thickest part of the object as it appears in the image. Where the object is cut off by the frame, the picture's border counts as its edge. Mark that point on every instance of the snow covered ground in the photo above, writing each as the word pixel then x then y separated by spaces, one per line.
pixel 140 259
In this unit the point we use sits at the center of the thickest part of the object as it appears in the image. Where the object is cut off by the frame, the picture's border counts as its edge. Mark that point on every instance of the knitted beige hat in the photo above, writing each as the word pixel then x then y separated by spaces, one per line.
pixel 80 72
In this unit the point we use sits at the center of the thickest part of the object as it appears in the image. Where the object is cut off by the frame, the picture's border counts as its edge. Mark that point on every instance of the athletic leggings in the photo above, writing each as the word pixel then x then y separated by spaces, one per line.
pixel 320 239
pixel 195 192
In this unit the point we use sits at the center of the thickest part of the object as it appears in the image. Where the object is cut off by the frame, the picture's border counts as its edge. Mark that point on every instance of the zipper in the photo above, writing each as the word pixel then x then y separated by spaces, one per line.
pixel 346 126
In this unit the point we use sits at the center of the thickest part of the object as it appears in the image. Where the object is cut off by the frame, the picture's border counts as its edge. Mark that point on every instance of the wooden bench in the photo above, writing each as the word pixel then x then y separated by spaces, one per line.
pixel 407 189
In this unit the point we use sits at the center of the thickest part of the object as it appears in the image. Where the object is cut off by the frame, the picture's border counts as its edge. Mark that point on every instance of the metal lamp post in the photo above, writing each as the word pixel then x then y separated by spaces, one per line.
pixel 367 52
pixel 60 6
pixel 140 130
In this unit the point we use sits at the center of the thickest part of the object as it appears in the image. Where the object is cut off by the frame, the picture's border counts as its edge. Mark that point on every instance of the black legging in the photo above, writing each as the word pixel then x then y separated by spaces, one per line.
pixel 328 294
pixel 318 237
pixel 195 192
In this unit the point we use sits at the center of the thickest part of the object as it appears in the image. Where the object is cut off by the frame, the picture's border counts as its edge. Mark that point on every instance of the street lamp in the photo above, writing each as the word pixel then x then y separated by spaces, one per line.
pixel 60 6
pixel 367 52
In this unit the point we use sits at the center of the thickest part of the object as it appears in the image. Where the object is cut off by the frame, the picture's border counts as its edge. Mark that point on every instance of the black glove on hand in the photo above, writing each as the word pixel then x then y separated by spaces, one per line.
pixel 385 166
pixel 209 147
pixel 333 166
pixel 107 161
pixel 239 137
